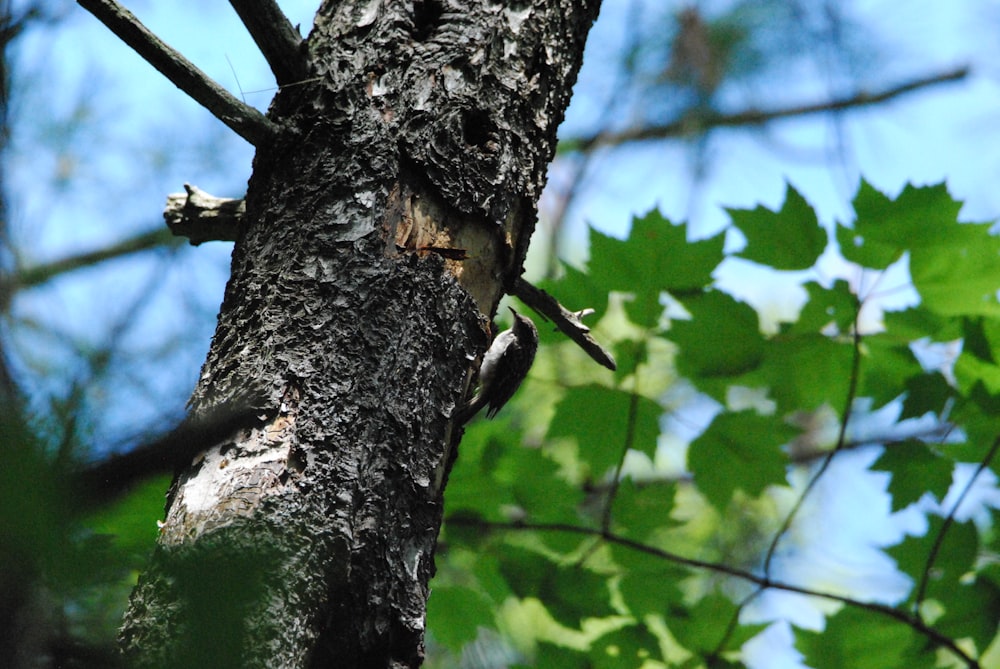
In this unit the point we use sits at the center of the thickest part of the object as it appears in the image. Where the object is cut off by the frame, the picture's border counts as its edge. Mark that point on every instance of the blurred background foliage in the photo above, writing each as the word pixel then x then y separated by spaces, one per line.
pixel 807 380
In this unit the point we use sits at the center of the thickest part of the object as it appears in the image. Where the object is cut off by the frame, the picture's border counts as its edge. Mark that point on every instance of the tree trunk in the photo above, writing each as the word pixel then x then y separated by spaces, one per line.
pixel 381 228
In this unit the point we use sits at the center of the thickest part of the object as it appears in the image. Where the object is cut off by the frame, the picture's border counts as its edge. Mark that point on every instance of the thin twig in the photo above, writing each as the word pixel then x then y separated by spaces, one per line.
pixel 276 37
pixel 764 581
pixel 246 121
pixel 567 321
pixel 852 390
pixel 937 433
pixel 734 622
pixel 633 410
pixel 708 121
pixel 948 521
pixel 39 274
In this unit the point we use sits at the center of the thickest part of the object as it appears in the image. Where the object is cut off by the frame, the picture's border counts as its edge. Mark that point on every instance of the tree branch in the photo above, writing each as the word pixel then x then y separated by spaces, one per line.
pixel 710 120
pixel 949 520
pixel 764 582
pixel 276 37
pixel 103 481
pixel 39 274
pixel 852 393
pixel 202 217
pixel 246 121
pixel 567 321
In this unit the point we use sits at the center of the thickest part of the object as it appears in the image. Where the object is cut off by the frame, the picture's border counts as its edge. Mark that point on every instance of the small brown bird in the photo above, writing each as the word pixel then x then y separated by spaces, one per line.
pixel 504 367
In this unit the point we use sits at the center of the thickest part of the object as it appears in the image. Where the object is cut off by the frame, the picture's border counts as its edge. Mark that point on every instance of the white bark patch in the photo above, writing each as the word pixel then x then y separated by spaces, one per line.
pixel 454 80
pixel 515 19
pixel 369 14
pixel 412 560
pixel 221 477
pixel 232 481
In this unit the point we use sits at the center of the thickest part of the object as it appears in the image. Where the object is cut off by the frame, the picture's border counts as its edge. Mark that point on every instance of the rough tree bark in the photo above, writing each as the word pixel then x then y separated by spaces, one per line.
pixel 384 220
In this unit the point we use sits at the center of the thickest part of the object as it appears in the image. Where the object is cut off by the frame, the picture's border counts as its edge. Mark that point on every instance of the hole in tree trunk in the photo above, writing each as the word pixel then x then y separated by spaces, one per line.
pixel 426 15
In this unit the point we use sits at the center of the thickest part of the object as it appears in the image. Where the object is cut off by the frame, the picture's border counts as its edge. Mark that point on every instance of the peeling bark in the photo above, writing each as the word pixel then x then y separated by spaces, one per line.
pixel 381 229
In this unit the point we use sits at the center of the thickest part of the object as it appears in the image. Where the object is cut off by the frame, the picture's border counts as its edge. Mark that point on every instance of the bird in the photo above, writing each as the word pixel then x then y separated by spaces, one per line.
pixel 504 367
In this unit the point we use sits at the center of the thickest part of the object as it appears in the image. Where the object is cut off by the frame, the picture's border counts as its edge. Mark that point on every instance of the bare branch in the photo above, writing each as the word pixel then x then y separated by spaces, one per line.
pixel 246 121
pixel 564 319
pixel 845 418
pixel 949 520
pixel 276 37
pixel 202 217
pixel 764 582
pixel 802 452
pixel 710 120
pixel 105 480
pixel 627 444
pixel 39 274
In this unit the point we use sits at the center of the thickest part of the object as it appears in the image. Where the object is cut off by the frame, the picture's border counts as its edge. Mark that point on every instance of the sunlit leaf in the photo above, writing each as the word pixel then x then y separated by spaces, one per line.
pixel 837 305
pixel 959 278
pixel 569 592
pixel 656 257
pixel 704 627
pixel 971 371
pixel 656 253
pixel 916 322
pixel 739 451
pixel 884 228
pixel 782 371
pixel 857 639
pixel 456 614
pixel 722 339
pixel 788 239
pixel 953 265
pixel 915 470
pixel 605 421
